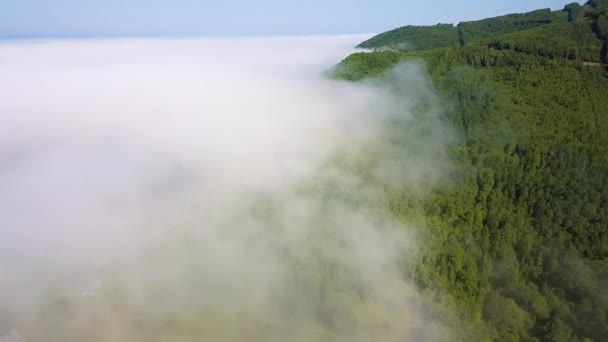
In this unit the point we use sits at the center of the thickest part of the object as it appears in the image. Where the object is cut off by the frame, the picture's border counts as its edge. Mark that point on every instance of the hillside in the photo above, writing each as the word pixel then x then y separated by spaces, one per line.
pixel 576 32
pixel 518 239
pixel 415 38
pixel 447 35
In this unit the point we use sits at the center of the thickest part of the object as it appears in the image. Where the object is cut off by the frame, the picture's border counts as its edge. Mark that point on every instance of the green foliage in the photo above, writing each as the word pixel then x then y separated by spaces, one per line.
pixel 361 65
pixel 601 26
pixel 474 30
pixel 599 4
pixel 415 38
pixel 572 40
pixel 576 33
pixel 517 242
pixel 574 10
pixel 418 38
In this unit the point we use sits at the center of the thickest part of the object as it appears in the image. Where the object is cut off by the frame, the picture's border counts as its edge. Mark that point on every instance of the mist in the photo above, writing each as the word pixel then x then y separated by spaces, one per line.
pixel 210 189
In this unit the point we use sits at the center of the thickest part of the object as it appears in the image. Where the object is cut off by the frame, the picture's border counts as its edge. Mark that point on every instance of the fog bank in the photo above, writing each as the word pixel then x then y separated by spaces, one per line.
pixel 209 189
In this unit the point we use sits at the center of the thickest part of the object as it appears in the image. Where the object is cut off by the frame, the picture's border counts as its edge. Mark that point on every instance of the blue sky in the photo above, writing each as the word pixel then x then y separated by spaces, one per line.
pixel 110 18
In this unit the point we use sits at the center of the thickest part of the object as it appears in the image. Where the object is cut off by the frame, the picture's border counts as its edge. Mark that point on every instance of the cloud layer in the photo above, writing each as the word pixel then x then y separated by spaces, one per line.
pixel 213 189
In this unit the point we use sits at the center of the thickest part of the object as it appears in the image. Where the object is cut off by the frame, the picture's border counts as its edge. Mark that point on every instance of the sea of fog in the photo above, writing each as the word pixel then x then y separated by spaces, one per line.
pixel 209 190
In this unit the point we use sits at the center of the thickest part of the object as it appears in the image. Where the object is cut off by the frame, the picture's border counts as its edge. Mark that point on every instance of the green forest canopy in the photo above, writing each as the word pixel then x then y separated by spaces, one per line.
pixel 518 240
pixel 577 32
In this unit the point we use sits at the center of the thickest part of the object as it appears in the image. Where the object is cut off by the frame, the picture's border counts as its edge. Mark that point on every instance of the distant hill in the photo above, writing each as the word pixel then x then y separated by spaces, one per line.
pixel 448 35
pixel 472 31
pixel 414 38
pixel 518 241
pixel 575 32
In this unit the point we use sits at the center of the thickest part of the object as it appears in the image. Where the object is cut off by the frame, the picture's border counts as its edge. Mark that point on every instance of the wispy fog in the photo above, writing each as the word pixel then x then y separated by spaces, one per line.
pixel 209 190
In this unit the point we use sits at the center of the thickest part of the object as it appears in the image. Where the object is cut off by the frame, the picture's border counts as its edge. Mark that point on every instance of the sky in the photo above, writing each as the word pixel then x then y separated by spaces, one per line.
pixel 120 18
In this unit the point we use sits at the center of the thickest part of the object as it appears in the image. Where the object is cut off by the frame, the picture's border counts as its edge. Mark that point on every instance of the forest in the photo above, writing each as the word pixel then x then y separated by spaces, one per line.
pixel 518 237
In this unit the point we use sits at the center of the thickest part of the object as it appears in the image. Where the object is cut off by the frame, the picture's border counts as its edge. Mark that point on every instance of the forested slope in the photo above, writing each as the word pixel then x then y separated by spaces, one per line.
pixel 517 240
pixel 415 38
pixel 576 32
